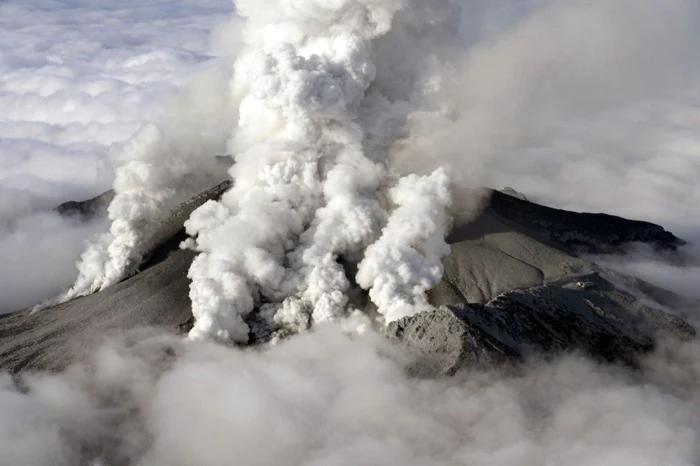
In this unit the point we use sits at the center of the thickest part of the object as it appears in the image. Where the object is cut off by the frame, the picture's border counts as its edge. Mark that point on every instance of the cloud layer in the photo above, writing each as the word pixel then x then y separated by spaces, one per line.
pixel 76 77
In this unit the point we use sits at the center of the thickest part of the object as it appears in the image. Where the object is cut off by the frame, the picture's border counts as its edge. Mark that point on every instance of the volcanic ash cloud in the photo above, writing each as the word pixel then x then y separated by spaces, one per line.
pixel 323 98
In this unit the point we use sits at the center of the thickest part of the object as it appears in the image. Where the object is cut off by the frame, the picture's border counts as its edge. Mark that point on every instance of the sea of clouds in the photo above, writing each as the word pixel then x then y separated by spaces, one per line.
pixel 586 105
pixel 75 77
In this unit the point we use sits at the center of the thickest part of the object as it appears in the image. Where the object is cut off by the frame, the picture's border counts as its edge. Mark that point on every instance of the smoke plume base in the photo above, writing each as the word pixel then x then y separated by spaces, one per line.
pixel 310 162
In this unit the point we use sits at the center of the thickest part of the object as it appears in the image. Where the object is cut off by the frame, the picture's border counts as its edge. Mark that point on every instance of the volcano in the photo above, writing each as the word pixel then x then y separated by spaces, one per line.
pixel 517 282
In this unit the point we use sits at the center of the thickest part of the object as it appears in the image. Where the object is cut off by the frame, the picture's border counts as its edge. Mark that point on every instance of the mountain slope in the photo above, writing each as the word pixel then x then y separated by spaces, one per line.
pixel 514 247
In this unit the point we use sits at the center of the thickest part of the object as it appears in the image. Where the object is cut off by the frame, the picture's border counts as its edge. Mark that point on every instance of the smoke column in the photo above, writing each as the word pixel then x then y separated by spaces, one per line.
pixel 159 167
pixel 324 97
pixel 405 262
pixel 153 174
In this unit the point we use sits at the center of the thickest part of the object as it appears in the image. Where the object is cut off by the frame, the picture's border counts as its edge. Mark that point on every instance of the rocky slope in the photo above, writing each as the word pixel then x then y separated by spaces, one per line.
pixel 585 313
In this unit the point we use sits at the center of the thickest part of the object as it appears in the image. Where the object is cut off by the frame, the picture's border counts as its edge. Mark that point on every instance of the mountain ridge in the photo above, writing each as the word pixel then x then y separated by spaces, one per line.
pixel 511 246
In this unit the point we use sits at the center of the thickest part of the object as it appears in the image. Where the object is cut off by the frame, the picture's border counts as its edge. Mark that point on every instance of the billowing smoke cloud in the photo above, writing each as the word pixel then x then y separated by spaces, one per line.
pixel 325 398
pixel 311 151
pixel 406 261
pixel 336 101
pixel 152 174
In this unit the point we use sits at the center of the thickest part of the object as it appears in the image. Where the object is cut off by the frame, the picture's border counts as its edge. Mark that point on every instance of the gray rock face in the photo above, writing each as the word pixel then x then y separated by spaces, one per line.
pixel 581 232
pixel 513 286
pixel 86 210
pixel 586 314
pixel 443 341
pixel 515 244
pixel 53 338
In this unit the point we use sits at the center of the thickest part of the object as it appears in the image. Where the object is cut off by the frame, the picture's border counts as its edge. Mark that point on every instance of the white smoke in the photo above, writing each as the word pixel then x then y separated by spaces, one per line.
pixel 319 114
pixel 155 170
pixel 406 261
pixel 151 175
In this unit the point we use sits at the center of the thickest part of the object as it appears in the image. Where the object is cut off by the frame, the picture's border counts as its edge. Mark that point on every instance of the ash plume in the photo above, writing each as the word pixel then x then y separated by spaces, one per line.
pixel 153 172
pixel 319 114
pixel 330 104
pixel 406 261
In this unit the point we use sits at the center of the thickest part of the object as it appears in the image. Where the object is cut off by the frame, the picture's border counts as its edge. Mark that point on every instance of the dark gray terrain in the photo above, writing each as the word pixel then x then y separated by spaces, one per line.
pixel 515 285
